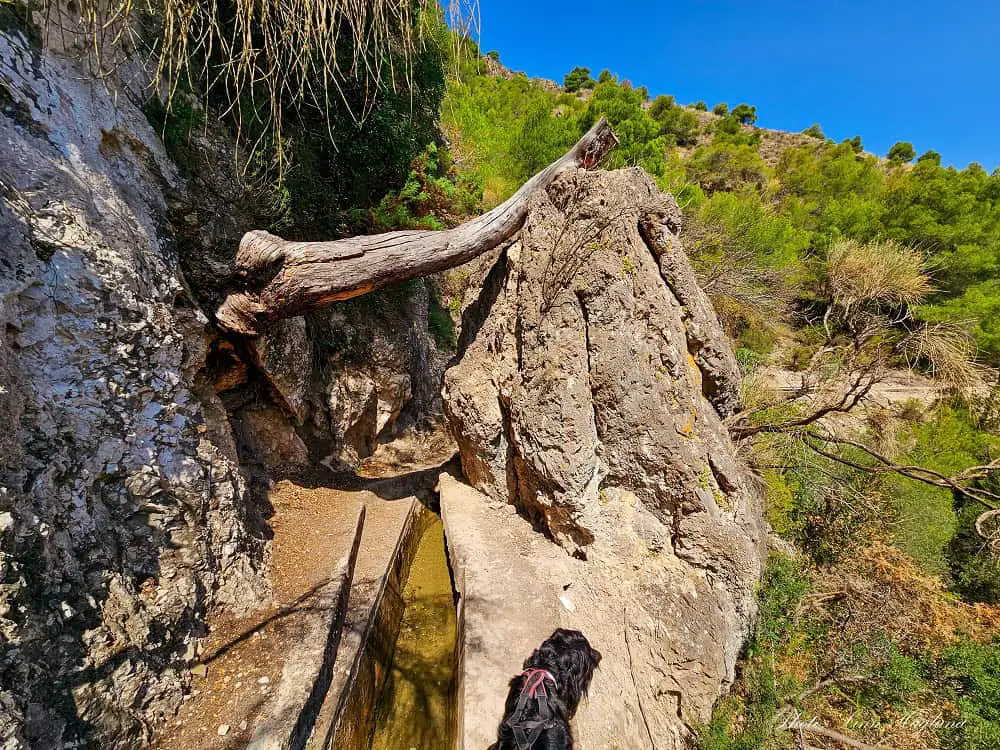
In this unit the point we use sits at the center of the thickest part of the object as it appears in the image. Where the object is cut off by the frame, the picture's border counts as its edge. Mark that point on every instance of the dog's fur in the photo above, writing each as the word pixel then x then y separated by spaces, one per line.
pixel 569 658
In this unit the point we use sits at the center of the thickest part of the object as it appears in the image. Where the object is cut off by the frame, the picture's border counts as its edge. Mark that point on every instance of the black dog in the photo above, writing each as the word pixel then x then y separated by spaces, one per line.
pixel 544 697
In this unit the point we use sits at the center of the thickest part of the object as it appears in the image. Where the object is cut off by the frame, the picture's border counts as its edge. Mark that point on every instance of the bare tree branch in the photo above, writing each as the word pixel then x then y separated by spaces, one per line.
pixel 860 387
pixel 919 473
pixel 301 276
pixel 843 739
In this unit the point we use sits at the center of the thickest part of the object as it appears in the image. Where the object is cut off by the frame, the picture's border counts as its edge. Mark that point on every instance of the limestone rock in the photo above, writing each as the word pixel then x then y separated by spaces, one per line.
pixel 127 520
pixel 381 371
pixel 275 439
pixel 590 396
pixel 363 403
pixel 284 356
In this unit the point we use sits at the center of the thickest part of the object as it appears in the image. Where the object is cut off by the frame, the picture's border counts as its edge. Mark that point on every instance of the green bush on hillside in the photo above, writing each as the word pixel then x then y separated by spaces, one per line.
pixel 727 167
pixel 746 114
pixel 901 152
pixel 434 196
pixel 679 125
pixel 640 139
pixel 932 156
pixel 578 78
pixel 974 569
pixel 814 131
pixel 971 673
pixel 540 140
pixel 927 522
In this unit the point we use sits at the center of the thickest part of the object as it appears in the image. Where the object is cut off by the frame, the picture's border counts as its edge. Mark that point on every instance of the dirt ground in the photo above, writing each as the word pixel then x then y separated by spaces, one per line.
pixel 244 656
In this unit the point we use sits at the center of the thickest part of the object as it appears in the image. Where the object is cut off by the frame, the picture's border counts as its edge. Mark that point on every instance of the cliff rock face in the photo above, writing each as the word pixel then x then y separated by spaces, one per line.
pixel 122 510
pixel 380 371
pixel 590 396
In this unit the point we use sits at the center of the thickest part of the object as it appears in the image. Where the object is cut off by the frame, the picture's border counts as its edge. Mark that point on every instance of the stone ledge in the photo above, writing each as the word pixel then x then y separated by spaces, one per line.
pixel 374 611
pixel 287 719
pixel 509 603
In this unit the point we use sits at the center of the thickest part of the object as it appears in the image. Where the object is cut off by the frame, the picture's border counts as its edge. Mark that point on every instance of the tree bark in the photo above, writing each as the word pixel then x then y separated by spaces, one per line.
pixel 308 275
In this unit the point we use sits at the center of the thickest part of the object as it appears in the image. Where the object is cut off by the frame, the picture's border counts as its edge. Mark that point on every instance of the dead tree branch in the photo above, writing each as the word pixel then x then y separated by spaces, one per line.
pixel 858 389
pixel 842 739
pixel 303 276
pixel 956 482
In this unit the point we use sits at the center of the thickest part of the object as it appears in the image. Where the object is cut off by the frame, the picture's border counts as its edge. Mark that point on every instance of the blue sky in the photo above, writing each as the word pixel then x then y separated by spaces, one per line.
pixel 919 71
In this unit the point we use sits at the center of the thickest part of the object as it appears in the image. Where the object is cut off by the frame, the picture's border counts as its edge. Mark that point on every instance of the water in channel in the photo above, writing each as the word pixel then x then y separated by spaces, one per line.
pixel 415 709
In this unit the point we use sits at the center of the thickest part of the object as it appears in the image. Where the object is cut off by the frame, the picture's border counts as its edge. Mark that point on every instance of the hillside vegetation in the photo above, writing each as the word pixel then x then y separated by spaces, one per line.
pixel 881 621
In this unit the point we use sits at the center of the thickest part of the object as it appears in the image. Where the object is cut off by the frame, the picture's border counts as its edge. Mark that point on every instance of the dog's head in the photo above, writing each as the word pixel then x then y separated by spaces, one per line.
pixel 569 657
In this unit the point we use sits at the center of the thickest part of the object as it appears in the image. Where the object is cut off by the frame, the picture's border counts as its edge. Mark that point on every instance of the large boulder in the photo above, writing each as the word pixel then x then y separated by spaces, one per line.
pixel 590 396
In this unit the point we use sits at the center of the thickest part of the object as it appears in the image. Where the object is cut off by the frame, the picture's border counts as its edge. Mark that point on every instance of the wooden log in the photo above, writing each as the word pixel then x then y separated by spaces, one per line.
pixel 308 275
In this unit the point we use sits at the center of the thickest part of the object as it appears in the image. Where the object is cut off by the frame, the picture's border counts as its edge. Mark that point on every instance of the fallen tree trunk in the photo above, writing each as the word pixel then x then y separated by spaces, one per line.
pixel 313 274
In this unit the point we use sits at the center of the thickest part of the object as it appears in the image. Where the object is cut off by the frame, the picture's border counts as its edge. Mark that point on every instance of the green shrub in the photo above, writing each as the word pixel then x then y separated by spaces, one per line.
pixel 745 114
pixel 930 156
pixel 678 124
pixel 739 223
pixel 727 167
pixel 927 521
pixel 757 337
pixel 578 78
pixel 487 122
pixel 434 196
pixel 661 105
pixel 974 569
pixel 779 503
pixel 799 356
pixel 700 106
pixel 721 109
pixel 640 140
pixel 901 152
pixel 971 674
pixel 541 139
pixel 814 131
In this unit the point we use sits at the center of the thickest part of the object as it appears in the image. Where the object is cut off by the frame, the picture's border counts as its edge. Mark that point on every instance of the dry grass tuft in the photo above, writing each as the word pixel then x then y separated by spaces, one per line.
pixel 880 274
pixel 949 353
pixel 882 590
pixel 757 390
